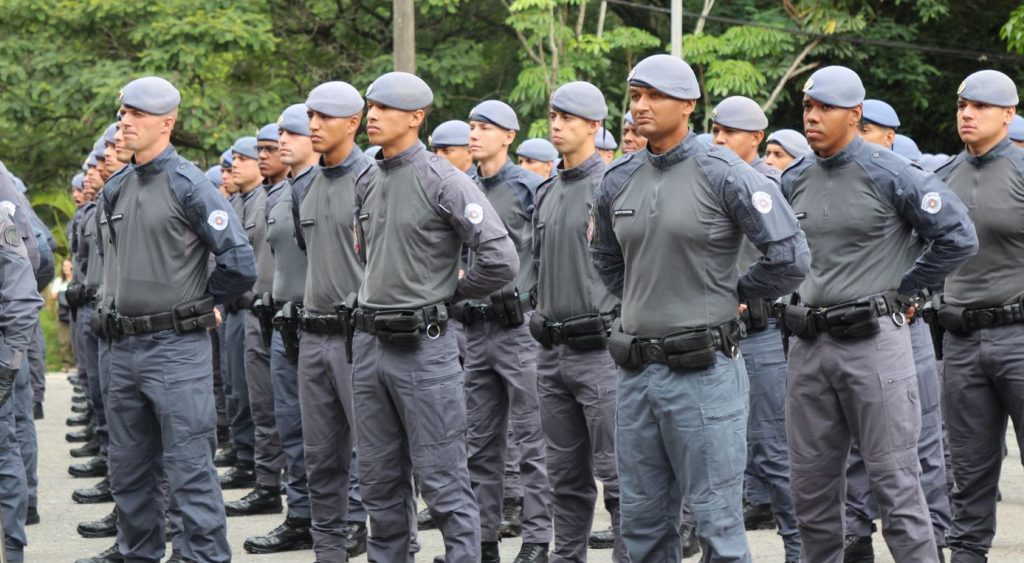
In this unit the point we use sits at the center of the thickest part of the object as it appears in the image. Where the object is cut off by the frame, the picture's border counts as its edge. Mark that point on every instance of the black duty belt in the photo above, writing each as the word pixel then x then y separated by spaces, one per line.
pixel 689 349
pixel 963 320
pixel 402 326
pixel 583 332
pixel 129 326
pixel 506 308
pixel 322 324
pixel 844 322
pixel 189 316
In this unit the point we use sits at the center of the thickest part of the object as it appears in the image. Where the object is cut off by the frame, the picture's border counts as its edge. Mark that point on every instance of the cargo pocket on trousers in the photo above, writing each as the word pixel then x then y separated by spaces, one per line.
pixel 902 409
pixel 191 414
pixel 725 442
pixel 440 407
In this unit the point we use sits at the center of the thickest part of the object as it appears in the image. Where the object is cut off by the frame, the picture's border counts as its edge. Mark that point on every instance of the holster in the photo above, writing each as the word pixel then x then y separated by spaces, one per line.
pixel 757 315
pixel 345 309
pixel 263 309
pixel 930 314
pixel 194 315
pixel 75 295
pixel 509 307
pixel 286 322
pixel 538 332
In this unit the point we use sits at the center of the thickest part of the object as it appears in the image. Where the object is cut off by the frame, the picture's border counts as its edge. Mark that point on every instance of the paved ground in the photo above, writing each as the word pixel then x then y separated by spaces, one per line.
pixel 55 539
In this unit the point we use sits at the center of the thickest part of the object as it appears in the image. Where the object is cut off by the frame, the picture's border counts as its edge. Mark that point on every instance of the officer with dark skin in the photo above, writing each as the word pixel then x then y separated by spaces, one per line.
pixel 981 310
pixel 682 404
pixel 164 220
pixel 851 367
pixel 413 213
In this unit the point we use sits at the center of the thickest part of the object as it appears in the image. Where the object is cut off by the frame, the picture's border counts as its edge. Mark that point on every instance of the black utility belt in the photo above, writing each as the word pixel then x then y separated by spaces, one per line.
pixel 78 295
pixel 402 327
pixel 507 309
pixel 850 321
pixel 322 324
pixel 190 316
pixel 963 320
pixel 689 349
pixel 583 332
pixel 757 316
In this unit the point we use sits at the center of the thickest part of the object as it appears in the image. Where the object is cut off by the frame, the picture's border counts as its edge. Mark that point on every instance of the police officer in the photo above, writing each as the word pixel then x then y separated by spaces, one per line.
pixel 269 174
pixel 19 309
pixel 296 152
pixel 631 140
pixel 906 147
pixel 606 145
pixel 501 369
pixel 851 367
pixel 861 508
pixel 333 276
pixel 738 123
pixel 575 374
pixel 1017 131
pixel 246 178
pixel 407 381
pixel 981 310
pixel 682 389
pixel 160 394
pixel 783 147
pixel 451 141
pixel 538 156
pixel 227 456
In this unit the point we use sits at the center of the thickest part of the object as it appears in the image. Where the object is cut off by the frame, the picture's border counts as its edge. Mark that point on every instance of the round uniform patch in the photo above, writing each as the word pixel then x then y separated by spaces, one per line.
pixel 931 202
pixel 474 213
pixel 9 207
pixel 218 219
pixel 11 236
pixel 762 202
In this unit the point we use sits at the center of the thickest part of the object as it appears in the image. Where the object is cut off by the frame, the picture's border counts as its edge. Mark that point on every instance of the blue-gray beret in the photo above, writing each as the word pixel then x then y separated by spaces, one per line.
pixel 108 135
pixel 628 118
pixel 836 86
pixel 667 74
pixel 400 90
pixel 605 141
pixel 246 146
pixel 496 113
pixel 706 138
pixel 268 132
pixel 151 94
pixel 989 87
pixel 581 99
pixel 372 151
pixel 931 162
pixel 78 181
pixel 295 119
pixel 1017 128
pixel 98 148
pixel 793 142
pixel 538 149
pixel 91 162
pixel 906 147
pixel 335 99
pixel 880 113
pixel 226 158
pixel 740 112
pixel 452 133
pixel 214 175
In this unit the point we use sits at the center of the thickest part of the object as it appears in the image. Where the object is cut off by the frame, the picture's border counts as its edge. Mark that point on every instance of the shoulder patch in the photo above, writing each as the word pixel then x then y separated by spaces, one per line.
pixel 218 219
pixel 931 203
pixel 725 155
pixel 762 202
pixel 11 236
pixel 8 207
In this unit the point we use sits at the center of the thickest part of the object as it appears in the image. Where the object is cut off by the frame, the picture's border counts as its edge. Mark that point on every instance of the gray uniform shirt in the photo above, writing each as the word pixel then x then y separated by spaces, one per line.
pixel 165 218
pixel 325 217
pixel 88 247
pixel 749 254
pixel 860 208
pixel 668 235
pixel 254 221
pixel 289 260
pixel 567 283
pixel 511 192
pixel 992 187
pixel 106 291
pixel 413 212
pixel 18 207
pixel 19 300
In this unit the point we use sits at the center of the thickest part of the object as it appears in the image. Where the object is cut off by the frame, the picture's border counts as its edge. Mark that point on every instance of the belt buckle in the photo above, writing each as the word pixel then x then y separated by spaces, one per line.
pixel 127 325
pixel 983 318
pixel 652 352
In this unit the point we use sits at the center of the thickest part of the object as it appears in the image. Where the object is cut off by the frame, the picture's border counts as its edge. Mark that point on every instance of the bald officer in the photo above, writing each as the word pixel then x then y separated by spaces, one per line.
pixel 851 367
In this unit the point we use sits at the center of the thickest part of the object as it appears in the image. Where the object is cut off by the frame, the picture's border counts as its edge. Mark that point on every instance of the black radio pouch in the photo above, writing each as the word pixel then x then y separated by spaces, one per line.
pixel 194 315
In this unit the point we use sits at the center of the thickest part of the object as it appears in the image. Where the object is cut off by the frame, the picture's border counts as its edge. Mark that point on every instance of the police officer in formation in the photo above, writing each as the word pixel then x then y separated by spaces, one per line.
pixel 556 277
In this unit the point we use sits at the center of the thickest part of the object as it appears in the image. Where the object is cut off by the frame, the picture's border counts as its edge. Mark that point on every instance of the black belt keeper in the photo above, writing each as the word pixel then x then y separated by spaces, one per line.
pixel 131 326
pixel 963 321
pixel 185 317
pixel 686 350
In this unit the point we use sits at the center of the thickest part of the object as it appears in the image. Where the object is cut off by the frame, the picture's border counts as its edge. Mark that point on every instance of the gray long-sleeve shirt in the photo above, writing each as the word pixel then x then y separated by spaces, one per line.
pixel 668 233
pixel 290 262
pixel 18 207
pixel 19 300
pixel 992 187
pixel 254 221
pixel 860 209
pixel 414 211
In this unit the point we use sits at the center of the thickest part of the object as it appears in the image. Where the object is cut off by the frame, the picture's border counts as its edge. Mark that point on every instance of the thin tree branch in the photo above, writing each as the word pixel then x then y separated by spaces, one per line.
pixel 794 69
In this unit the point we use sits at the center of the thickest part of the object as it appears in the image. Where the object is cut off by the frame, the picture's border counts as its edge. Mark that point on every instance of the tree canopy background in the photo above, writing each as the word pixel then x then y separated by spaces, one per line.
pixel 238 64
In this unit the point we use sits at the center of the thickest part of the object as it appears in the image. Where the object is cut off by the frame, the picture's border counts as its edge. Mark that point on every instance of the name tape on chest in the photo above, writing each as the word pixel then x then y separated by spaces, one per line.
pixel 624 212
pixel 218 219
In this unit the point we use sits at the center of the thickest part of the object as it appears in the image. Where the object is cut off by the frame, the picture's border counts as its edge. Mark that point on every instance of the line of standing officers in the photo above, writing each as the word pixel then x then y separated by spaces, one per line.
pixel 705 336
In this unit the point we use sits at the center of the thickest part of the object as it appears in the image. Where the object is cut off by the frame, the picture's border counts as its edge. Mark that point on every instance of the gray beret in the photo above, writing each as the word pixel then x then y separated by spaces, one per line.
pixel 226 158
pixel 400 90
pixel 931 162
pixel 495 113
pixel 880 113
pixel 836 86
pixel 538 149
pixel 581 99
pixel 77 181
pixel 295 119
pixel 91 162
pixel 108 135
pixel 246 146
pixel 335 99
pixel 667 74
pixel 268 132
pixel 989 87
pixel 605 141
pixel 98 148
pixel 452 133
pixel 740 112
pixel 372 151
pixel 214 175
pixel 151 94
pixel 793 142
pixel 1017 128
pixel 706 138
pixel 628 118
pixel 906 147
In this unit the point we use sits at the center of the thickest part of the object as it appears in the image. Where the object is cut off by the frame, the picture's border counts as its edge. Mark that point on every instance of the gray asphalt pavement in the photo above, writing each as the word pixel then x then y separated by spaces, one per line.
pixel 54 540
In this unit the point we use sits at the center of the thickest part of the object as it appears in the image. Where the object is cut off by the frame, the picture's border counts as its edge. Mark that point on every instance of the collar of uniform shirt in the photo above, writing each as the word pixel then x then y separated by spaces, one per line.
pixel 994 153
pixel 586 168
pixel 401 159
pixel 155 166
pixel 342 168
pixel 497 178
pixel 843 156
pixel 689 147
